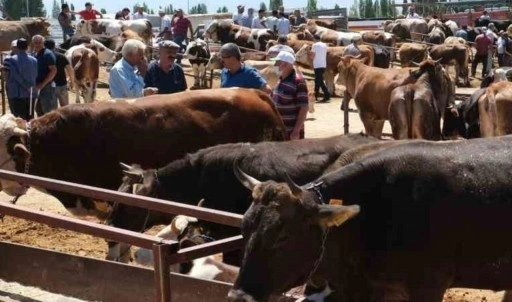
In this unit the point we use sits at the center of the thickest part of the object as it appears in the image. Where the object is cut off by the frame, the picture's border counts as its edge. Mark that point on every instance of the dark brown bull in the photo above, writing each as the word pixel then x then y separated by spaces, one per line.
pixel 225 31
pixel 453 54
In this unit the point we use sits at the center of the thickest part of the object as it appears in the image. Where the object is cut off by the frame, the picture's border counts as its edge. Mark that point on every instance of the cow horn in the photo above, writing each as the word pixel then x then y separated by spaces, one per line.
pixel 125 166
pixel 438 60
pixel 296 189
pixel 415 63
pixel 200 203
pixel 19 132
pixel 248 181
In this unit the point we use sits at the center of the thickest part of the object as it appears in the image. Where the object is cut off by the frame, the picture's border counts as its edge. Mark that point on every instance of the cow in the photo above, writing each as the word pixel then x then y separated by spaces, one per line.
pixel 198 55
pixel 371 89
pixel 454 40
pixel 412 52
pixel 497 75
pixel 295 44
pixel 116 27
pixel 384 45
pixel 201 175
pixel 413 29
pixel 419 218
pixel 485 114
pixel 453 54
pixel 13 30
pixel 111 42
pixel 225 31
pixel 104 54
pixel 329 36
pixel 436 35
pixel 71 142
pixel 334 54
pixel 330 24
pixel 86 67
pixel 416 109
pixel 452 25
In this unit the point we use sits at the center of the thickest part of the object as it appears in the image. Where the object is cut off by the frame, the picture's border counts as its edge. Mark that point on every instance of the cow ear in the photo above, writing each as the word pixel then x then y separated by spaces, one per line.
pixel 335 215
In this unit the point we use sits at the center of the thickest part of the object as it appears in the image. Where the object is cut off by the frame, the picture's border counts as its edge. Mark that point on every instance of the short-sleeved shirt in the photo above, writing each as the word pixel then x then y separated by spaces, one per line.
pixel 320 50
pixel 290 95
pixel 88 15
pixel 237 18
pixel 61 63
pixel 245 77
pixel 166 82
pixel 462 34
pixel 271 22
pixel 283 26
pixel 258 23
pixel 45 59
pixel 22 70
pixel 137 16
pixel 482 43
pixel 64 20
pixel 247 21
pixel 124 81
pixel 166 23
pixel 180 26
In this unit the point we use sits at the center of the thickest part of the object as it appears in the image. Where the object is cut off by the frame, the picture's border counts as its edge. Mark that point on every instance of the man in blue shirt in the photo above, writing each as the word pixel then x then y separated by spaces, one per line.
pixel 237 74
pixel 165 74
pixel 20 71
pixel 46 71
pixel 462 33
pixel 126 77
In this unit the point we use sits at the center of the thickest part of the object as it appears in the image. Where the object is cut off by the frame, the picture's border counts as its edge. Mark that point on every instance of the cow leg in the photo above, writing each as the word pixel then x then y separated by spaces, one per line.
pixel 378 126
pixel 77 93
pixel 329 82
pixel 398 119
pixel 486 121
pixel 368 120
pixel 195 67
pixel 119 252
pixel 202 73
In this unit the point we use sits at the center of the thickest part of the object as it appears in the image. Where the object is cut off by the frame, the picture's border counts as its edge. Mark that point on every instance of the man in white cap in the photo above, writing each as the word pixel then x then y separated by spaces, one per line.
pixel 165 26
pixel 139 13
pixel 239 16
pixel 290 95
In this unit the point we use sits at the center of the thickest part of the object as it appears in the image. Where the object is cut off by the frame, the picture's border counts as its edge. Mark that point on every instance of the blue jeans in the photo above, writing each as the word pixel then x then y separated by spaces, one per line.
pixel 47 101
pixel 20 107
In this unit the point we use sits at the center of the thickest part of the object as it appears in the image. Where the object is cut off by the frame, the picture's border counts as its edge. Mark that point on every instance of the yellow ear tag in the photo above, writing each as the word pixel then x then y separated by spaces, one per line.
pixel 335 202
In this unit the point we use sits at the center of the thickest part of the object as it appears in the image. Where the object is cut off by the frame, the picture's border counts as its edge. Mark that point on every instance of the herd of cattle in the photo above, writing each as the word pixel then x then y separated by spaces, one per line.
pixel 418 217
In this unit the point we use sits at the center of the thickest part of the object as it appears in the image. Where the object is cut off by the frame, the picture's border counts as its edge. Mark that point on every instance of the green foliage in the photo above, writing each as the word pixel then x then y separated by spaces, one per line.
pixel 223 9
pixel 15 9
pixel 199 9
pixel 263 6
pixel 353 11
pixel 55 9
pixel 336 6
pixel 274 4
pixel 103 11
pixel 311 6
pixel 144 5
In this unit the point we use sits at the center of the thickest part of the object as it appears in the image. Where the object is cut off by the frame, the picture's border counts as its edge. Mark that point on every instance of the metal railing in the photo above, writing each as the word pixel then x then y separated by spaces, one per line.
pixel 165 251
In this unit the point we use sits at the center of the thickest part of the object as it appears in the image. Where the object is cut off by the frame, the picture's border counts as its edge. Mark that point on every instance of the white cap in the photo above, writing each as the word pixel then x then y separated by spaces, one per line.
pixel 14 43
pixel 284 56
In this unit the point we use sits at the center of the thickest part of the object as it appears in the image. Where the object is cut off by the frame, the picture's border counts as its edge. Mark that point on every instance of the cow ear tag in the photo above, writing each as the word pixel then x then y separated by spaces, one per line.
pixel 335 202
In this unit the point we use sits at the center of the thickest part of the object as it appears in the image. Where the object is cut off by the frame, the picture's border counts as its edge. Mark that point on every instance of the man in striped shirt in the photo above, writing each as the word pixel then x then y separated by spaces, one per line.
pixel 290 96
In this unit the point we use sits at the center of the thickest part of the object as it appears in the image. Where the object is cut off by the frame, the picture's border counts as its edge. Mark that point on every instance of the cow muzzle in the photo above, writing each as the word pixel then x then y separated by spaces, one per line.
pixel 238 295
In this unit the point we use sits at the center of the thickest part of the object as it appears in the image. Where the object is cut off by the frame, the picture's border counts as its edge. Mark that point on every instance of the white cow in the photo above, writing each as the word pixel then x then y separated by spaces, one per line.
pixel 198 56
pixel 105 55
pixel 86 71
pixel 115 27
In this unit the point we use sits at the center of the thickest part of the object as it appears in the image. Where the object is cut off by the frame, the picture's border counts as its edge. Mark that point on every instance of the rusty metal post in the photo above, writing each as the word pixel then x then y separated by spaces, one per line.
pixel 344 107
pixel 211 79
pixel 161 253
pixel 2 85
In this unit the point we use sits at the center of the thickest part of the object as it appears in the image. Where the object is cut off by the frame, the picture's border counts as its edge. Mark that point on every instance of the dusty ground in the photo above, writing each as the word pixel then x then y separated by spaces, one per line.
pixel 327 120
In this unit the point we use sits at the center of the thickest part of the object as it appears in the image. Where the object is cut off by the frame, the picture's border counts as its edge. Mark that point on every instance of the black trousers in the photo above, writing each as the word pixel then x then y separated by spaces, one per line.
pixel 479 58
pixel 319 82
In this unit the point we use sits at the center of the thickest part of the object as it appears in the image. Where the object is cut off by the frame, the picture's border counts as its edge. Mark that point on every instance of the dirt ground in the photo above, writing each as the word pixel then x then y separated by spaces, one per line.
pixel 327 120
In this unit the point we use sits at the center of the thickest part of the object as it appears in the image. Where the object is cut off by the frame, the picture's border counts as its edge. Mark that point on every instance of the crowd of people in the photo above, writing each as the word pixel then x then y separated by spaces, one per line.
pixel 279 22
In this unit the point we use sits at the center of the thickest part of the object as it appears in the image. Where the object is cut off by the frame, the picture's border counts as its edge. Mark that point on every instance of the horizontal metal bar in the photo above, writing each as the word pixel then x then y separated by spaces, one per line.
pixel 154 204
pixel 206 249
pixel 82 226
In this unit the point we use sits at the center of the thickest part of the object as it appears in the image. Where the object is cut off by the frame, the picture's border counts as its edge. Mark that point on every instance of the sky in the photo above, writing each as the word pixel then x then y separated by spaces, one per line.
pixel 112 6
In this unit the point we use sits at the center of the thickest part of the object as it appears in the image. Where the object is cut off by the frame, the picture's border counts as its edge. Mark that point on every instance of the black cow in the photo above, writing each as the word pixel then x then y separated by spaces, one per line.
pixel 198 55
pixel 206 173
pixel 499 24
pixel 432 216
pixel 463 120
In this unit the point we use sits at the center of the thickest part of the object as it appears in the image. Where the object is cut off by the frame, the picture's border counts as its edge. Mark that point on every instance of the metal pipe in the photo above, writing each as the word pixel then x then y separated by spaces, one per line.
pixel 161 264
pixel 206 249
pixel 154 204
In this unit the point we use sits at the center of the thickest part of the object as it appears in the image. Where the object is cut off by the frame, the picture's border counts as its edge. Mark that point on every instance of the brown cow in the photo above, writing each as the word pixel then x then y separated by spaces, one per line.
pixel 116 27
pixel 334 54
pixel 495 109
pixel 86 68
pixel 412 52
pixel 226 31
pixel 371 89
pixel 87 137
pixel 453 54
pixel 13 30
pixel 384 45
pixel 416 109
pixel 330 36
pixel 330 24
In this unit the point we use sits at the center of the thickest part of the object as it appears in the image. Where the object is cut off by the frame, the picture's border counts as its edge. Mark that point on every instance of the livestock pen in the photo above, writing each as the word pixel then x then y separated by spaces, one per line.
pixel 100 280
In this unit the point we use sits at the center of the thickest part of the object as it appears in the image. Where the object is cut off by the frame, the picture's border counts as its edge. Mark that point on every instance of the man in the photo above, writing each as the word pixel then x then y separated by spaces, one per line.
pixel 462 33
pixel 139 13
pixel 412 13
pixel 318 55
pixel 14 48
pixel 123 14
pixel 63 68
pixel 237 74
pixel 126 77
pixel 482 44
pixel 299 19
pixel 46 71
pixel 260 21
pixel 283 25
pixel 65 21
pixel 247 21
pixel 273 51
pixel 20 71
pixel 239 16
pixel 280 11
pixel 180 24
pixel 485 17
pixel 165 26
pixel 164 74
pixel 89 13
pixel 272 21
pixel 290 96
pixel 353 48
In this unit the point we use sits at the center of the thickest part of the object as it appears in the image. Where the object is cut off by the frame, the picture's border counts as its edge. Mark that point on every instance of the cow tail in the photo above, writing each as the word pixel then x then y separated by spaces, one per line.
pixel 492 108
pixel 409 100
pixel 79 63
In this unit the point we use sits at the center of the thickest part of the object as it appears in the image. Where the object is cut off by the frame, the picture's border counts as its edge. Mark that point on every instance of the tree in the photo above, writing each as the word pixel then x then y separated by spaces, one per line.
pixel 55 9
pixel 199 9
pixel 376 9
pixel 169 10
pixel 336 6
pixel 263 6
pixel 311 6
pixel 274 4
pixel 384 8
pixel 224 9
pixel 368 9
pixel 353 11
pixel 17 9
pixel 144 5
pixel 103 11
